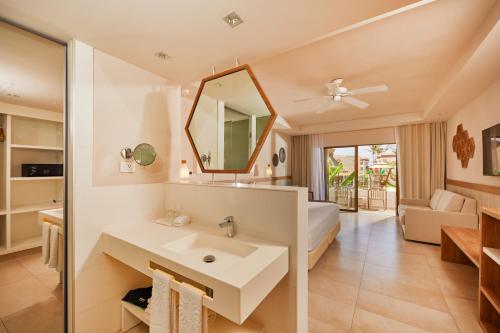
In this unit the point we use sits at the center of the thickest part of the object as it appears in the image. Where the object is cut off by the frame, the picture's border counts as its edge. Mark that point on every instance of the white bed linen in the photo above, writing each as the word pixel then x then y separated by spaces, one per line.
pixel 322 217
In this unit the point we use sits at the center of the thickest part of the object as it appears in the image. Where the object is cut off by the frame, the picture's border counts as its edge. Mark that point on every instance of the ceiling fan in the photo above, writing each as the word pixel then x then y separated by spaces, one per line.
pixel 338 94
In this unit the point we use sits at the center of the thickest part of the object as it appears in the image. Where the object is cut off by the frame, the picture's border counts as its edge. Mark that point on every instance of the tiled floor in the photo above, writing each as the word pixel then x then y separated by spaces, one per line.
pixel 372 280
pixel 30 296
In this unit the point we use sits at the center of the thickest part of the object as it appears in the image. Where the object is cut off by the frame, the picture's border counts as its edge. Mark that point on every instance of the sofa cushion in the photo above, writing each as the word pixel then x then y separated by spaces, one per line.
pixel 450 202
pixel 435 198
pixel 402 209
pixel 469 206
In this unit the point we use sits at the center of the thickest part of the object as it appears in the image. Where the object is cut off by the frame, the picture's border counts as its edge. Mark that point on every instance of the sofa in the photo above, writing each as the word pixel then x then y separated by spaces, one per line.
pixel 421 220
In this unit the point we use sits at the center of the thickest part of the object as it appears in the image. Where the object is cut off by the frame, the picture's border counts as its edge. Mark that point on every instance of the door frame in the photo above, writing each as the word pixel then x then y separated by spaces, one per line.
pixel 356 166
pixel 325 175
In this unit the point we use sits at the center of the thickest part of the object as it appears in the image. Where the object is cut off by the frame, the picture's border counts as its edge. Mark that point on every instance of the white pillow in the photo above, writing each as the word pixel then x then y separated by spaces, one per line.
pixel 450 202
pixel 435 198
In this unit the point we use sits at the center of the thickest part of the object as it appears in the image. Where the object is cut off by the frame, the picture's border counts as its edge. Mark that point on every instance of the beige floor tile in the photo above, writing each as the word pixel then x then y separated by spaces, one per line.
pixel 396 259
pixel 317 326
pixel 341 292
pixel 34 263
pixel 2 328
pixel 459 306
pixel 468 324
pixel 431 299
pixel 43 317
pixel 21 295
pixel 11 271
pixel 330 311
pixel 457 272
pixel 457 288
pixel 422 280
pixel 334 273
pixel 341 252
pixel 410 313
pixel 332 258
pixel 365 321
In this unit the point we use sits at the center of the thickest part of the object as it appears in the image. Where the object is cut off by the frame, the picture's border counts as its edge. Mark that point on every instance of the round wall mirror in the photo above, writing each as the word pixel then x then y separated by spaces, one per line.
pixel 144 154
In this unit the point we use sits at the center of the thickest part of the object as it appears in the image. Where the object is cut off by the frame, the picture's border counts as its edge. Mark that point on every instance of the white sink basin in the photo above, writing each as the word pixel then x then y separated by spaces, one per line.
pixel 244 272
pixel 224 251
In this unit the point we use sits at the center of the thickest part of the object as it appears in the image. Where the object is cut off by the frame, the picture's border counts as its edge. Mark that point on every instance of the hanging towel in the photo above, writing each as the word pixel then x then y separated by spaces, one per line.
pixel 160 303
pixel 60 252
pixel 190 309
pixel 54 245
pixel 45 242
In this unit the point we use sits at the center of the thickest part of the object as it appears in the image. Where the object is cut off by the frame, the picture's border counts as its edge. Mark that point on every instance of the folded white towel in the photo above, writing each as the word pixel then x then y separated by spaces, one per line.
pixel 190 309
pixel 160 303
pixel 45 242
pixel 181 220
pixel 54 245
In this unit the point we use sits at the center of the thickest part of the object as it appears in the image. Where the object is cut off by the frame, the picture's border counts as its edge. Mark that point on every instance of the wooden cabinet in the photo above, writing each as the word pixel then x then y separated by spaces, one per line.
pixel 489 273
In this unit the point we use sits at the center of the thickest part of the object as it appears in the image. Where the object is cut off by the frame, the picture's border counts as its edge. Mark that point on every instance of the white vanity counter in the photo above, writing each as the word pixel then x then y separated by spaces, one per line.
pixel 243 274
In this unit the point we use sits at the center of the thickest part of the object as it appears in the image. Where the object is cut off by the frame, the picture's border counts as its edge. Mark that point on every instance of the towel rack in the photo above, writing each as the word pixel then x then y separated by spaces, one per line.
pixel 175 285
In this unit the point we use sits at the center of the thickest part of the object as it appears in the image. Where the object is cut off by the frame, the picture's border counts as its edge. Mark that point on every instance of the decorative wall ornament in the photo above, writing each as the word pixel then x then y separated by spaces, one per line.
pixel 463 145
pixel 276 160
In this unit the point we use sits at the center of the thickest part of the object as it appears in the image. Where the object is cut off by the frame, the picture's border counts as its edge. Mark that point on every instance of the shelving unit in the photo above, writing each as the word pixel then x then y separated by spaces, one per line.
pixel 489 273
pixel 27 140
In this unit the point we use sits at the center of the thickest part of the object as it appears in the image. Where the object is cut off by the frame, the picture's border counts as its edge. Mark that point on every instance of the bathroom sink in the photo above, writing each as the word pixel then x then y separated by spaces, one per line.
pixel 210 250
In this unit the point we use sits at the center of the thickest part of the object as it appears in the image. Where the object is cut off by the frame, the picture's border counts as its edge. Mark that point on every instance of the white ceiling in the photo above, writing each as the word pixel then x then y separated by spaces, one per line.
pixel 31 69
pixel 415 47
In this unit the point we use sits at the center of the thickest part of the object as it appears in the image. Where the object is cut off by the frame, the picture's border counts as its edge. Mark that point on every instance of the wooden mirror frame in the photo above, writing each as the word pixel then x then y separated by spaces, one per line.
pixel 258 146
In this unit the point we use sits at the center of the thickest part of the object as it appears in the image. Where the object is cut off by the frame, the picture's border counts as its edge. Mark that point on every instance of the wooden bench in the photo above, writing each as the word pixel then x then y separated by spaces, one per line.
pixel 460 245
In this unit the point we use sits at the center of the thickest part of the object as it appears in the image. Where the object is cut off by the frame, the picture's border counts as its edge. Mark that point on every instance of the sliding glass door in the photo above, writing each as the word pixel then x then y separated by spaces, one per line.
pixel 341 176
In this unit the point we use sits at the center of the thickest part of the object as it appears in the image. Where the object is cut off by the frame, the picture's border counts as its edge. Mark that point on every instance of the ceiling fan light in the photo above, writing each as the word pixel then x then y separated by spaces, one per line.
pixel 337 98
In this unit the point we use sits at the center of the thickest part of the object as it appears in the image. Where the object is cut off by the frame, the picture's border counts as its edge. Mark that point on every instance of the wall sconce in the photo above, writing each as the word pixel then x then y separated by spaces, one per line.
pixel 269 170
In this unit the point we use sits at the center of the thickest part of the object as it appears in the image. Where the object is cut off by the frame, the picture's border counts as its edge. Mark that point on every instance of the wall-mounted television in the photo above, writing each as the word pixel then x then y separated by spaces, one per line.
pixel 491 151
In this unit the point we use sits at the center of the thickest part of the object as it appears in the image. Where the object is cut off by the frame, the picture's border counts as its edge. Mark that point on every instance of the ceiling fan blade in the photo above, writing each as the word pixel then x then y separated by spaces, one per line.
pixel 368 90
pixel 355 102
pixel 310 99
pixel 324 107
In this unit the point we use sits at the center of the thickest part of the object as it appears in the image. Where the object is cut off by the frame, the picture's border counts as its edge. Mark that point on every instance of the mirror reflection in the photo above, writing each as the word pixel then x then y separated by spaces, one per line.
pixel 229 122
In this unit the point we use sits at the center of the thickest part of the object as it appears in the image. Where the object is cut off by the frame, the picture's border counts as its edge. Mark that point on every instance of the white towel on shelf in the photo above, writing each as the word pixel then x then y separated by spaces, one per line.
pixel 190 309
pixel 45 242
pixel 160 303
pixel 54 245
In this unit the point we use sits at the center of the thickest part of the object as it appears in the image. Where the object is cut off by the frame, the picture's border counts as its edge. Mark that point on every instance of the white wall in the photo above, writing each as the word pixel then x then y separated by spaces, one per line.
pixel 99 281
pixel 132 106
pixel 477 115
pixel 361 137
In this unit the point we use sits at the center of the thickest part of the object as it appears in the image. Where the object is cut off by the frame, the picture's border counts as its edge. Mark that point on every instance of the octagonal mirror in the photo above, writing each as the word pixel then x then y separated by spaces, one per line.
pixel 229 122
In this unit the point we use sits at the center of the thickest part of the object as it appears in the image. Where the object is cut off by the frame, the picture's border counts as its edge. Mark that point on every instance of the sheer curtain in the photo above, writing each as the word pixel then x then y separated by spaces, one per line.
pixel 421 159
pixel 318 167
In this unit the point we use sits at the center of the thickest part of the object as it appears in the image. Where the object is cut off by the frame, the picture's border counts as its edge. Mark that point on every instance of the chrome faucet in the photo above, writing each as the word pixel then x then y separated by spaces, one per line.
pixel 229 224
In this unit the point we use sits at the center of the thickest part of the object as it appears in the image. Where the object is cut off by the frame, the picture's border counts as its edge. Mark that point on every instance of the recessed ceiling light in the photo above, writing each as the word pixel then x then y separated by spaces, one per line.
pixel 233 19
pixel 13 95
pixel 162 55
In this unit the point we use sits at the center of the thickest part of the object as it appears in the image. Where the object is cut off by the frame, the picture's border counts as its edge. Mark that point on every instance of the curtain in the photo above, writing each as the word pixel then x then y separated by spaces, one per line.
pixel 438 156
pixel 318 167
pixel 301 161
pixel 421 159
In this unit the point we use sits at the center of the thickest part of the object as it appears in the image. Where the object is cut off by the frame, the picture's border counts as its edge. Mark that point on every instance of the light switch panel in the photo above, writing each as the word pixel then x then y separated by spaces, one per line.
pixel 127 166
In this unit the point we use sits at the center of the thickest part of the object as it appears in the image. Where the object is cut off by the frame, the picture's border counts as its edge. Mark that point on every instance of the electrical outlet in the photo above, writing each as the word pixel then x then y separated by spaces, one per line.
pixel 127 166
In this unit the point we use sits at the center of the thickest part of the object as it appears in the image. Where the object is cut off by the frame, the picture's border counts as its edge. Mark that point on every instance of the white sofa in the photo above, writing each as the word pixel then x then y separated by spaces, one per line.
pixel 421 220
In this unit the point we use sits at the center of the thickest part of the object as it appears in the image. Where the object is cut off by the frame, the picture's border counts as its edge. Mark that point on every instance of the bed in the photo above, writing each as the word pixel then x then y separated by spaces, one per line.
pixel 323 227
